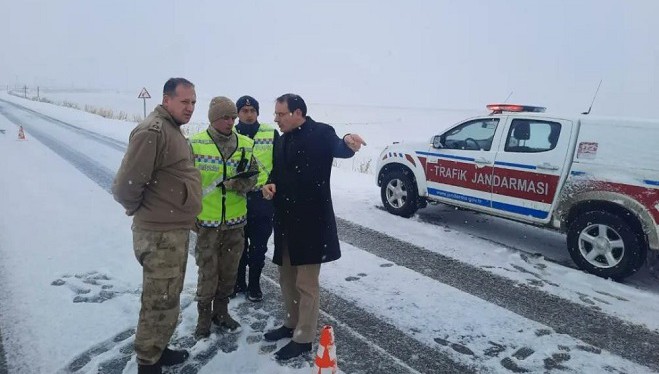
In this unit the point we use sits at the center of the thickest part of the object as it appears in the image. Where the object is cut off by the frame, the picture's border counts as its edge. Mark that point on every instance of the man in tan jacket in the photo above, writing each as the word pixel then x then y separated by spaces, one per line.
pixel 158 184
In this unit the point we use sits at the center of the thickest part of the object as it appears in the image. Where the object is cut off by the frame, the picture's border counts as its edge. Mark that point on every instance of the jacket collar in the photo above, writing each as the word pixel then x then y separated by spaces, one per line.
pixel 308 122
pixel 162 112
pixel 218 135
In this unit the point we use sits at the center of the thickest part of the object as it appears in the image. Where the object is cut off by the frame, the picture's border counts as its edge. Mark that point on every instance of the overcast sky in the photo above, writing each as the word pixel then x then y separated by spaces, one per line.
pixel 430 54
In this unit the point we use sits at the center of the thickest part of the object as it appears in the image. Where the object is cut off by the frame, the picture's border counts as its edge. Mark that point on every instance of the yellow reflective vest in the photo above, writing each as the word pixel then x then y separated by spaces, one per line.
pixel 263 146
pixel 220 205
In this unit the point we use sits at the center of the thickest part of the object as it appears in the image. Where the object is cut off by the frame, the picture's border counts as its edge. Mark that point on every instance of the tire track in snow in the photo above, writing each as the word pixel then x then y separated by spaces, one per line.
pixel 96 172
pixel 110 142
pixel 3 360
pixel 565 317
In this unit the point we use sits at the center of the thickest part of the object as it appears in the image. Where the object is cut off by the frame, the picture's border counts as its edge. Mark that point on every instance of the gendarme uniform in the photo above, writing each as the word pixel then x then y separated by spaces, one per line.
pixel 263 144
pixel 223 217
pixel 221 207
pixel 259 210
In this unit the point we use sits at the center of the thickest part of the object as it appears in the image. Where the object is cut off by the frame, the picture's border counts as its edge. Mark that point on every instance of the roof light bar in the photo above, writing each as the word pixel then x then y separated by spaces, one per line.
pixel 500 108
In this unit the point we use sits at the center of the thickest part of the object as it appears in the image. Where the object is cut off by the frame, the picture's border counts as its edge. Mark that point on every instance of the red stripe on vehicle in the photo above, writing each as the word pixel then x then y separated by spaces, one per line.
pixel 410 159
pixel 422 160
pixel 514 183
pixel 525 184
pixel 648 197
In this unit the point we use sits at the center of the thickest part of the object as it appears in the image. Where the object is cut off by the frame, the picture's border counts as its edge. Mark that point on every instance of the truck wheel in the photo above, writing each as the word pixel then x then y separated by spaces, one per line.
pixel 603 244
pixel 399 194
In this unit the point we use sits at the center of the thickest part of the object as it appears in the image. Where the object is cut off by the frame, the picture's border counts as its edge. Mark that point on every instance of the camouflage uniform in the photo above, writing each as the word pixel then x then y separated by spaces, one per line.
pixel 217 255
pixel 163 256
pixel 220 237
pixel 158 184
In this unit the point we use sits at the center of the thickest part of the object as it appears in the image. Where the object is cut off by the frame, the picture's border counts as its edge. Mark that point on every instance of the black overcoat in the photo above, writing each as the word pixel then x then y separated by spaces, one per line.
pixel 304 216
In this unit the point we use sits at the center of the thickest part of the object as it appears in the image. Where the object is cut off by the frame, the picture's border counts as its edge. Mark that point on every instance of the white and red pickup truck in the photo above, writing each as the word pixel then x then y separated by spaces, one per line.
pixel 594 178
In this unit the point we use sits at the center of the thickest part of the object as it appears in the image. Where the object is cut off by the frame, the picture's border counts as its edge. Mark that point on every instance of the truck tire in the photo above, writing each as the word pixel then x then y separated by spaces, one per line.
pixel 399 193
pixel 605 245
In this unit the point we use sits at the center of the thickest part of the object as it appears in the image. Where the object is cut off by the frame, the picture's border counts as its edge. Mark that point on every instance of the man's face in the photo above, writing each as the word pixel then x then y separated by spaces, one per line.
pixel 286 120
pixel 247 114
pixel 181 105
pixel 224 125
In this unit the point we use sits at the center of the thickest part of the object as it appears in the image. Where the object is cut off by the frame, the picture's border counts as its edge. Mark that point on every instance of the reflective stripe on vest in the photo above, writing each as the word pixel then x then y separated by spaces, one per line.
pixel 263 145
pixel 219 205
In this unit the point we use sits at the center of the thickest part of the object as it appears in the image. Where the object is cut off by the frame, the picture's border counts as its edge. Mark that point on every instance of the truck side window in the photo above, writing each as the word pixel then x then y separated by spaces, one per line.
pixel 532 136
pixel 473 135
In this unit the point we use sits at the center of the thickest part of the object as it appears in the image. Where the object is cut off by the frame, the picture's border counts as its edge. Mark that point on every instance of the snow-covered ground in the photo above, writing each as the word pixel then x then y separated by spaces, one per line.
pixel 66 245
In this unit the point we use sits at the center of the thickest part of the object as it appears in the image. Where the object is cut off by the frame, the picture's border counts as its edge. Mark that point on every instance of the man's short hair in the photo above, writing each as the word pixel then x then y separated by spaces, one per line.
pixel 172 83
pixel 294 102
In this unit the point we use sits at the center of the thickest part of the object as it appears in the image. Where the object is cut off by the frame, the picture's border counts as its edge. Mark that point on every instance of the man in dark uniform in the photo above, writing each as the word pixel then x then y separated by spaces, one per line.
pixel 259 210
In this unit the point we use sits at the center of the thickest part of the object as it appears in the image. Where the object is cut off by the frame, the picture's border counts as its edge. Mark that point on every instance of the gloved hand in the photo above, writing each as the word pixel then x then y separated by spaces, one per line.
pixel 230 184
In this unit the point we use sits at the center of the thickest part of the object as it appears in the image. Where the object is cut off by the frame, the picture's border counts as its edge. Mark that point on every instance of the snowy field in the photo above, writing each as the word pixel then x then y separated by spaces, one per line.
pixel 70 281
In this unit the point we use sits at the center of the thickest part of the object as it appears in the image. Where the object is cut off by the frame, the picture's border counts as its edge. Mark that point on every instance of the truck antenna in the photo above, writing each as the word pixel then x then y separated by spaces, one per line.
pixel 509 95
pixel 594 96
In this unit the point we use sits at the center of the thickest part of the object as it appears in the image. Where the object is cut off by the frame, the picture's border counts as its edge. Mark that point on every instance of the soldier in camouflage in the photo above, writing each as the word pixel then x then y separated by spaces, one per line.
pixel 228 172
pixel 159 186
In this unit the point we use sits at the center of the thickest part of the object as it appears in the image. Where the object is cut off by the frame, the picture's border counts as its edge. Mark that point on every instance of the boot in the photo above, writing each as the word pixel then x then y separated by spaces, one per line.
pixel 278 333
pixel 222 318
pixel 149 369
pixel 171 357
pixel 241 285
pixel 203 329
pixel 292 349
pixel 254 288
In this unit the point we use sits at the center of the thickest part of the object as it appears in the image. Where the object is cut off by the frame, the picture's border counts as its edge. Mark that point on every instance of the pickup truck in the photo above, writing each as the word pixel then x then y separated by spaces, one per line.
pixel 594 178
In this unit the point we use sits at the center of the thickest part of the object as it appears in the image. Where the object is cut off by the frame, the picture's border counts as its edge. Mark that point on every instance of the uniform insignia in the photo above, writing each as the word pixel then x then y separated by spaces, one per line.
pixel 156 126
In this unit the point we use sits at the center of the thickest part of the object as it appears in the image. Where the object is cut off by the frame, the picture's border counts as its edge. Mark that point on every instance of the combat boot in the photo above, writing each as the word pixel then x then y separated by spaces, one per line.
pixel 222 318
pixel 203 329
pixel 254 292
pixel 149 369
pixel 171 357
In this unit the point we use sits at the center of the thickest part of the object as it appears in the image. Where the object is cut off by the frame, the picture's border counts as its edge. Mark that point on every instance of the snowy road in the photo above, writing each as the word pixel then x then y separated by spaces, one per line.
pixel 466 317
pixel 355 344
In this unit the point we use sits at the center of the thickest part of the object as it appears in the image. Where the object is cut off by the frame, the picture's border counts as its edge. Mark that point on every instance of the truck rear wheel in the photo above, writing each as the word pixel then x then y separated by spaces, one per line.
pixel 399 194
pixel 604 244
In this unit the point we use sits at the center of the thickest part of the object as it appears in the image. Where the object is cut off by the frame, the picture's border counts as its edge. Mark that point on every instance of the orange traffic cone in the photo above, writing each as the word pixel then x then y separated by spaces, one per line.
pixel 325 362
pixel 21 133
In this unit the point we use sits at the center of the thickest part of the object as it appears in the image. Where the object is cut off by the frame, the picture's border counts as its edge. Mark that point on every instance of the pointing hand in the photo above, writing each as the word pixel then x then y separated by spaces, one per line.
pixel 354 142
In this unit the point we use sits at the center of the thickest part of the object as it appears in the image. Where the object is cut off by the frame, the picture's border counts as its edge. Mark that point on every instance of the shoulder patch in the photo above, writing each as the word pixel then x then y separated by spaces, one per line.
pixel 156 125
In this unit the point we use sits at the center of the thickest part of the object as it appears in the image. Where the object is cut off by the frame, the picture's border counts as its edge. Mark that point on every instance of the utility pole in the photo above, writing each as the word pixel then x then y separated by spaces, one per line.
pixel 37 92
pixel 25 91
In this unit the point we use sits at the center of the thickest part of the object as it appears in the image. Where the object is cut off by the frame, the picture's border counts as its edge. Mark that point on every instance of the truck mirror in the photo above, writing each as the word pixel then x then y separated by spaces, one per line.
pixel 437 141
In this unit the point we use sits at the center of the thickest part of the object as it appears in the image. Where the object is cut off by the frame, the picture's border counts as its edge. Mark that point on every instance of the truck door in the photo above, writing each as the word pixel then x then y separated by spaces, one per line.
pixel 459 170
pixel 529 167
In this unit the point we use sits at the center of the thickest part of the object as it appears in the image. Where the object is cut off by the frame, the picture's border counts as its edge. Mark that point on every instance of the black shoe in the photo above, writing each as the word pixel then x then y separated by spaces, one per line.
pixel 238 288
pixel 292 349
pixel 254 292
pixel 241 284
pixel 171 357
pixel 277 334
pixel 149 369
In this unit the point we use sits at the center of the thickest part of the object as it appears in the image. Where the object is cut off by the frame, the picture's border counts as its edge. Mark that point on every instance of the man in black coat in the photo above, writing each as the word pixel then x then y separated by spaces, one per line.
pixel 304 222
